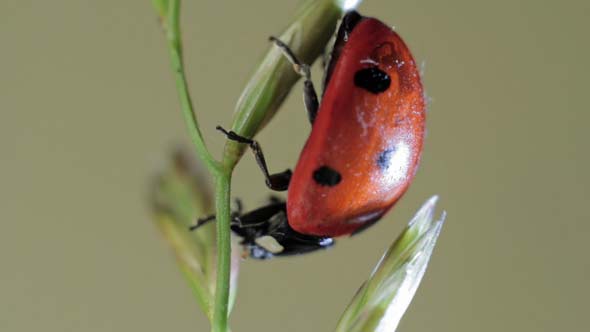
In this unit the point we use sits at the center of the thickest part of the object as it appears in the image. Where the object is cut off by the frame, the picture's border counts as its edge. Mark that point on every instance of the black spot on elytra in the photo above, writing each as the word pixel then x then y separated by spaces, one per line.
pixel 326 176
pixel 384 158
pixel 372 79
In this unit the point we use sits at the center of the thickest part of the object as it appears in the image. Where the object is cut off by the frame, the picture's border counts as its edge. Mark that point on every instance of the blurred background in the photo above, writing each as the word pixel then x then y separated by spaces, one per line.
pixel 88 112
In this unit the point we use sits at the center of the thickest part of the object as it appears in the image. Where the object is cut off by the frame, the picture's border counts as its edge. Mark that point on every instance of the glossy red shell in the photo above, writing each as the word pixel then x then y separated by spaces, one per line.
pixel 373 141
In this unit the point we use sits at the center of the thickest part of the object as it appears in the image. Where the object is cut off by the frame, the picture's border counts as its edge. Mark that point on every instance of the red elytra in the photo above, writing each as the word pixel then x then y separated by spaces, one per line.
pixel 367 140
pixel 361 155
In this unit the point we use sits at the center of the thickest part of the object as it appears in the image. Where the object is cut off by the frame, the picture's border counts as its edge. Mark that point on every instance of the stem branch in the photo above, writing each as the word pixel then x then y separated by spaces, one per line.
pixel 176 61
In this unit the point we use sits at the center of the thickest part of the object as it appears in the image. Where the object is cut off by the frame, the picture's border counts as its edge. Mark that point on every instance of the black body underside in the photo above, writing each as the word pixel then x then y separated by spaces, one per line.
pixel 271 220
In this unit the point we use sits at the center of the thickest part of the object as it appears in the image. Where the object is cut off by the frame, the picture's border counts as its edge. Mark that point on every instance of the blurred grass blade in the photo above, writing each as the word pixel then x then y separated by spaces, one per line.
pixel 307 35
pixel 180 195
pixel 382 300
pixel 187 255
pixel 161 7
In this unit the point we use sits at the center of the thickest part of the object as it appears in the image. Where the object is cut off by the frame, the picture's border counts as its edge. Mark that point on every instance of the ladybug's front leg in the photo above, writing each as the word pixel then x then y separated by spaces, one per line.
pixel 310 97
pixel 277 181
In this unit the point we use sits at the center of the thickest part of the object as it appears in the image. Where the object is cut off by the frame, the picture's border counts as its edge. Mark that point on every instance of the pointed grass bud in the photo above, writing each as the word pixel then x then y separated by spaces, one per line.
pixel 383 299
pixel 161 7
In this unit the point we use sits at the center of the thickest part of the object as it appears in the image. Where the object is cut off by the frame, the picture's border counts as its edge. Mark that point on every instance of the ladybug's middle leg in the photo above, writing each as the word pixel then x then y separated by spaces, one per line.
pixel 277 181
pixel 212 217
pixel 310 97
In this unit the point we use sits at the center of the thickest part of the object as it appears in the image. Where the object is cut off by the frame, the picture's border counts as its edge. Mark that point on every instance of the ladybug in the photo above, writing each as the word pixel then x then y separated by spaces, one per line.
pixel 362 152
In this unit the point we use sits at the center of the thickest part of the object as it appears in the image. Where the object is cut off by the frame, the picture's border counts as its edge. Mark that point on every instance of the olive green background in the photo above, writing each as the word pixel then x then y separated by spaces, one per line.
pixel 88 112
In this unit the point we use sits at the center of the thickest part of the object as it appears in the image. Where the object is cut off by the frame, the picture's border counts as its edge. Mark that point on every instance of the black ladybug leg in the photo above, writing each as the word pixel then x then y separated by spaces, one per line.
pixel 277 181
pixel 309 95
pixel 235 221
pixel 239 206
pixel 234 216
pixel 202 221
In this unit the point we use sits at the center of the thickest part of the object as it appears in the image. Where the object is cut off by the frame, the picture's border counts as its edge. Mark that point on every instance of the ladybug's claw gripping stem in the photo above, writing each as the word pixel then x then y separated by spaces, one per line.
pixel 278 181
pixel 301 68
pixel 310 97
pixel 231 135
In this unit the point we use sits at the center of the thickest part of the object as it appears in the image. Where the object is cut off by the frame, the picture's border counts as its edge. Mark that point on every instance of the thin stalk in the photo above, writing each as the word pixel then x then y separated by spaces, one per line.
pixel 176 60
pixel 222 209
pixel 222 174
